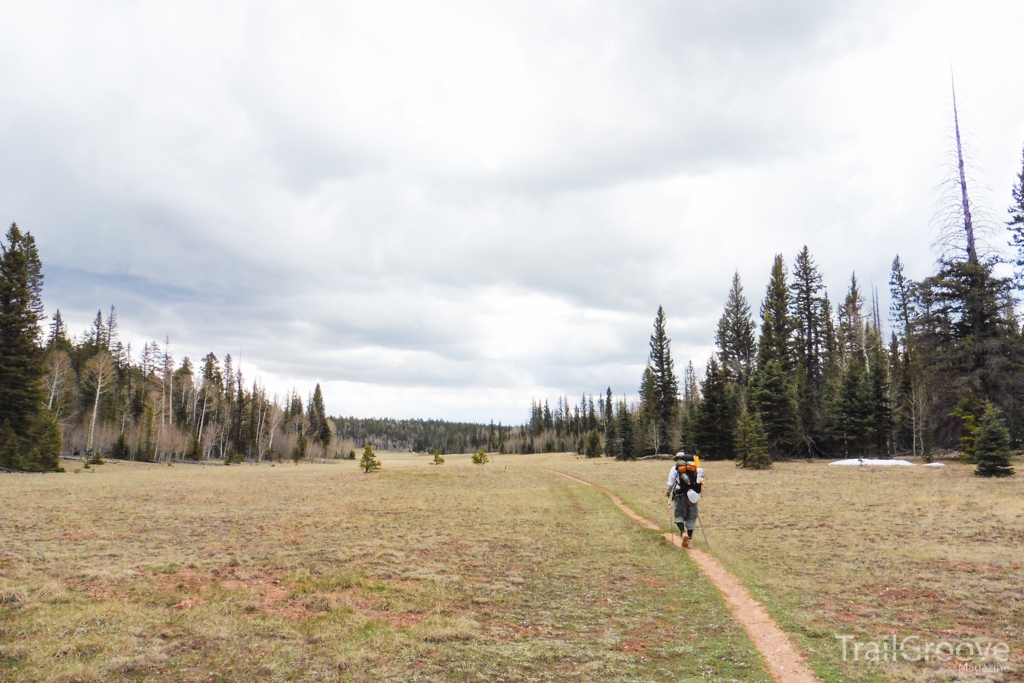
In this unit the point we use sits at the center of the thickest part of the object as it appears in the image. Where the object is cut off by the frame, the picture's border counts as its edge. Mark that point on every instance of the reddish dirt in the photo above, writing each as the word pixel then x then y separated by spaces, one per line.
pixel 785 662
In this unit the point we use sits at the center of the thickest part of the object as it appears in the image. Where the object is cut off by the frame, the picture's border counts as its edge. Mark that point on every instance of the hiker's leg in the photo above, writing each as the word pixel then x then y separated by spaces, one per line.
pixel 691 518
pixel 679 512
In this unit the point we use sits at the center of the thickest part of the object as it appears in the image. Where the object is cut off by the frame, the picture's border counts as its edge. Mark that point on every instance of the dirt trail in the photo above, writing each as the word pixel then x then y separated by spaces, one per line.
pixel 785 663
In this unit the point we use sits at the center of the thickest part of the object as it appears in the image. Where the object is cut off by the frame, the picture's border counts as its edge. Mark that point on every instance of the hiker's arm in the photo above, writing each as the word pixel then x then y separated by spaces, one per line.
pixel 673 477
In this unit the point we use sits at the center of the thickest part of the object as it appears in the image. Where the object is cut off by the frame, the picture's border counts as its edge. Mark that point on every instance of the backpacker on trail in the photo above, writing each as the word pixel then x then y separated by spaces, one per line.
pixel 683 490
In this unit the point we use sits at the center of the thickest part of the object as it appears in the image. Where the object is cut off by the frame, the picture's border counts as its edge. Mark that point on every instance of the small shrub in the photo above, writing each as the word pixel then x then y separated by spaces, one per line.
pixel 369 461
pixel 480 458
pixel 352 454
pixel 96 459
pixel 438 460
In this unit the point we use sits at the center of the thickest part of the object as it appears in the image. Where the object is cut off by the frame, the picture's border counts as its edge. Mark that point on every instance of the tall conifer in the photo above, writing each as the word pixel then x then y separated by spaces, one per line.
pixel 808 338
pixel 735 336
pixel 663 405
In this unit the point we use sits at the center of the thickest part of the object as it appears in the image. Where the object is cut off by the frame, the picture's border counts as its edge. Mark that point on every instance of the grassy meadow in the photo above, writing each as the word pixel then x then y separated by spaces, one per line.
pixel 318 572
pixel 932 552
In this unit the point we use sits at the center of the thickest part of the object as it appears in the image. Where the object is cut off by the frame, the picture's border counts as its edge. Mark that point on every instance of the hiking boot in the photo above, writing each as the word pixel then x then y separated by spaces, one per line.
pixel 686 541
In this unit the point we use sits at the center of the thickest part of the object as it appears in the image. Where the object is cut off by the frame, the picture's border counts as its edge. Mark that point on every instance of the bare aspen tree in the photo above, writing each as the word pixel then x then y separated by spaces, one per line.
pixel 100 370
pixel 58 378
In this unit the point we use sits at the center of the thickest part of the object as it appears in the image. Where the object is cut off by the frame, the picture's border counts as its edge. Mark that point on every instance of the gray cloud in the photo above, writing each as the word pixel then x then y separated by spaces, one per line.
pixel 442 209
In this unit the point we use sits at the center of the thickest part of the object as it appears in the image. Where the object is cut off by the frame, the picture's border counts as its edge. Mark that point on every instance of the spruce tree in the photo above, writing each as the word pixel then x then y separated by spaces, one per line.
pixel 773 397
pixel 319 427
pixel 853 409
pixel 10 448
pixel 715 428
pixel 299 452
pixel 776 325
pixel 21 309
pixel 612 440
pixel 663 405
pixel 752 443
pixel 992 447
pixel 809 334
pixel 1016 211
pixel 627 433
pixel 880 420
pixel 735 336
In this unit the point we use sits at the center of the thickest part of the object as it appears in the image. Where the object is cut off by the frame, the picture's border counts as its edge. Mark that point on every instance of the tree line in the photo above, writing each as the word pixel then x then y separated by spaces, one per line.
pixel 91 396
pixel 818 378
pixel 423 436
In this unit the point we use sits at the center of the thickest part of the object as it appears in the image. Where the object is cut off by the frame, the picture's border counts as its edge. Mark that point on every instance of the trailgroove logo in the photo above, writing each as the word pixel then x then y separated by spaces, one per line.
pixel 977 656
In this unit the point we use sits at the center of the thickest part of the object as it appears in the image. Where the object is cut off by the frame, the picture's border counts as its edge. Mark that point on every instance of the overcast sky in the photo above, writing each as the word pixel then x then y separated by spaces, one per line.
pixel 443 209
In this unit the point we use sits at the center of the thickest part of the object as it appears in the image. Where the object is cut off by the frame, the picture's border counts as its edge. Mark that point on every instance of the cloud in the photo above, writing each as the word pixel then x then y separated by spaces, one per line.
pixel 442 209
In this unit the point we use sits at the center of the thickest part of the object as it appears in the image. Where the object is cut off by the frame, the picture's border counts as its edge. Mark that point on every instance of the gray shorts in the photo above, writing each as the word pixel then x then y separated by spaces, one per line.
pixel 685 512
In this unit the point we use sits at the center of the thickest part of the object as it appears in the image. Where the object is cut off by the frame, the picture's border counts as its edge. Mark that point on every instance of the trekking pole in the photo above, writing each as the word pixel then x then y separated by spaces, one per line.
pixel 703 532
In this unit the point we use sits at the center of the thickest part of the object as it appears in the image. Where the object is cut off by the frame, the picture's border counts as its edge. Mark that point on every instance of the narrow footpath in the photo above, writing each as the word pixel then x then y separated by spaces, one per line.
pixel 785 663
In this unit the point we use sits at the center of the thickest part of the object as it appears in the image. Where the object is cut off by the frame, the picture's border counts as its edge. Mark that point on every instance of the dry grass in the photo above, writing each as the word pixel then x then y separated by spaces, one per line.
pixel 860 551
pixel 501 572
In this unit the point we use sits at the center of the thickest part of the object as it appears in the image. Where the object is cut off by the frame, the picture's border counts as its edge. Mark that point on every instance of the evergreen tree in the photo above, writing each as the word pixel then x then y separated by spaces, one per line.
pixel 612 440
pixel 853 409
pixel 776 325
pixel 121 450
pixel 58 338
pixel 1016 222
pixel 715 429
pixel 809 333
pixel 319 426
pixel 773 398
pixel 299 452
pixel 10 448
pixel 663 406
pixel 592 448
pixel 992 448
pixel 627 433
pixel 735 336
pixel 880 421
pixel 752 443
pixel 21 308
pixel 369 461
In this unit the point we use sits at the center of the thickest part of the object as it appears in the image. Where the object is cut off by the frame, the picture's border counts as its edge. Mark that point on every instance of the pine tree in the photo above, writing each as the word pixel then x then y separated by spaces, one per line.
pixel 992 448
pixel 735 336
pixel 715 429
pixel 369 461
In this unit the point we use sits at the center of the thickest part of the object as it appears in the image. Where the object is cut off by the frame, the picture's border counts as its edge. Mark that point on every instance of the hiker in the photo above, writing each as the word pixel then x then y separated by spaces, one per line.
pixel 683 489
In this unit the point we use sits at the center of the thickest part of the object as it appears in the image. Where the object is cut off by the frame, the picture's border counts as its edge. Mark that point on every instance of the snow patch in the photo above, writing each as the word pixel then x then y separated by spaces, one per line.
pixel 935 464
pixel 873 461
